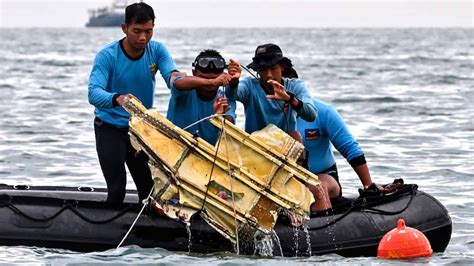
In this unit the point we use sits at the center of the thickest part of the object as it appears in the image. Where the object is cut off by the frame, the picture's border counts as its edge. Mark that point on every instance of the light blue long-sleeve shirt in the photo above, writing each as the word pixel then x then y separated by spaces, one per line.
pixel 261 111
pixel 318 137
pixel 185 108
pixel 113 72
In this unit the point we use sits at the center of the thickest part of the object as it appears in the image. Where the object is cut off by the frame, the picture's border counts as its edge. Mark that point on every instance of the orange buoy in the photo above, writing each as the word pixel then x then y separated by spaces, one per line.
pixel 403 243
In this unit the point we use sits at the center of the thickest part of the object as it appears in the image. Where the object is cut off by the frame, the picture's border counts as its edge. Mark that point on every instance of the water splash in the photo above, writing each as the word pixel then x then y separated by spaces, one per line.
pixel 330 229
pixel 277 242
pixel 296 239
pixel 308 239
pixel 263 244
pixel 188 229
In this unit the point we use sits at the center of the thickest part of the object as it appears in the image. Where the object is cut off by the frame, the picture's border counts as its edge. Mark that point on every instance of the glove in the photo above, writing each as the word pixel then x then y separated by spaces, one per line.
pixel 377 190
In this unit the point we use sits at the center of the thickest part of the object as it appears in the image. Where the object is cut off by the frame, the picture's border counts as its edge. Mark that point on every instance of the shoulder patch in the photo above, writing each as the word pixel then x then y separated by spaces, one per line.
pixel 312 134
pixel 153 69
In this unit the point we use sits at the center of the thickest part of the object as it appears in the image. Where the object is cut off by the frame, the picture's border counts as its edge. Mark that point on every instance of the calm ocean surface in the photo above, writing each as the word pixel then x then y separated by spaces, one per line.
pixel 406 94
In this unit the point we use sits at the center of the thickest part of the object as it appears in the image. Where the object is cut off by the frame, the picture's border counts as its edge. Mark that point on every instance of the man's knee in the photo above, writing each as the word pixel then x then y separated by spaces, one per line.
pixel 329 185
pixel 333 187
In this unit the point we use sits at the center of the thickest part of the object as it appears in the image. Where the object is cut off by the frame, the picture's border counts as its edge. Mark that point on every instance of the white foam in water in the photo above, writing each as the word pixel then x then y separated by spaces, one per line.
pixel 308 239
pixel 263 244
pixel 296 239
pixel 190 239
pixel 275 235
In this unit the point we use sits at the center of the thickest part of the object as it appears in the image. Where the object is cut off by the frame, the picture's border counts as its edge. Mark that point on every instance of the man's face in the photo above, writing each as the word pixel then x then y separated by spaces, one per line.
pixel 270 73
pixel 138 35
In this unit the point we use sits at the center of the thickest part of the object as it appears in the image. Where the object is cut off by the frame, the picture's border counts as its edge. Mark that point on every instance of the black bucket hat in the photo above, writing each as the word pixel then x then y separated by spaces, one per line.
pixel 266 55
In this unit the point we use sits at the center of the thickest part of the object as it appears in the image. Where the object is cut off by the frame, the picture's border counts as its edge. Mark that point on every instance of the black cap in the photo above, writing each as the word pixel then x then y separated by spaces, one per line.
pixel 266 55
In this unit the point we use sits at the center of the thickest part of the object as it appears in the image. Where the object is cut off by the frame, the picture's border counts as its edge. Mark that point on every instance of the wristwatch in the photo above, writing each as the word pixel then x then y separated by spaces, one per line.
pixel 292 97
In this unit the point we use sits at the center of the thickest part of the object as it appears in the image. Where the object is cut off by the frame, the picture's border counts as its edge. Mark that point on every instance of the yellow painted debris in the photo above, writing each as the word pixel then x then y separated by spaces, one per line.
pixel 258 171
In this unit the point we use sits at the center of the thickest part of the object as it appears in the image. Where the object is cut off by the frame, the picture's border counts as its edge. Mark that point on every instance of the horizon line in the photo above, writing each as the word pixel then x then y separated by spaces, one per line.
pixel 248 27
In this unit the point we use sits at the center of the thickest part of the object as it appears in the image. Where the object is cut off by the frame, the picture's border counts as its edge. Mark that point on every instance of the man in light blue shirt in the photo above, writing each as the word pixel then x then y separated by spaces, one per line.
pixel 121 69
pixel 318 138
pixel 196 97
pixel 270 99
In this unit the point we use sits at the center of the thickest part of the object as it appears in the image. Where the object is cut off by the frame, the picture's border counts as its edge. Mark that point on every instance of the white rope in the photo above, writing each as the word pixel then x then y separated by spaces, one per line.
pixel 145 203
pixel 203 119
pixel 231 185
pixel 228 169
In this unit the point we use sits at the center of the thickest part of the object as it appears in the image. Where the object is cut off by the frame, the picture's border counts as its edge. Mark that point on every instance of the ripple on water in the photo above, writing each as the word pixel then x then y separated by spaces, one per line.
pixel 25 132
pixel 44 140
pixel 7 86
pixel 386 110
pixel 59 173
pixel 460 176
pixel 36 97
pixel 57 63
pixel 387 99
pixel 49 88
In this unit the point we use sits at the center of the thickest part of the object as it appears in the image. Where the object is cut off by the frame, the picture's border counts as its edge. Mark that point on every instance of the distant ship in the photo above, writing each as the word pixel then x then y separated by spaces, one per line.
pixel 111 16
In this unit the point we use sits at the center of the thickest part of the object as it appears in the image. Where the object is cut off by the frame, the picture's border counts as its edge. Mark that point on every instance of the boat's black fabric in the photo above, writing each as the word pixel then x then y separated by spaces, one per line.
pixel 80 219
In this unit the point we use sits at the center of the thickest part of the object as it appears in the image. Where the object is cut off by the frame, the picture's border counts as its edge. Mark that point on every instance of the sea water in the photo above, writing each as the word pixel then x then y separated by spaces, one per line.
pixel 406 94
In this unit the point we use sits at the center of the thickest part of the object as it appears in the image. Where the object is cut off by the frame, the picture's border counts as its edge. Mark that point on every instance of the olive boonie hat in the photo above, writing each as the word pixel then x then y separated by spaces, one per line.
pixel 266 55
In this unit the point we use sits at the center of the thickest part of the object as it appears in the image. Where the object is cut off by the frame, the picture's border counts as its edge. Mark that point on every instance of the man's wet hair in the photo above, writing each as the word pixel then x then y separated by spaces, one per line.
pixel 139 13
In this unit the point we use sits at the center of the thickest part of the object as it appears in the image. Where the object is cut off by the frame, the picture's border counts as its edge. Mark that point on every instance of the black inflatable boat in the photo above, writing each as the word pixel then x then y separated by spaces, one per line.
pixel 79 219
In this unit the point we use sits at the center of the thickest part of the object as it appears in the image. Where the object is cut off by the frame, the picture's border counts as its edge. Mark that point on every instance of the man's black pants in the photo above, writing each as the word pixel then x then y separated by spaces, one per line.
pixel 114 151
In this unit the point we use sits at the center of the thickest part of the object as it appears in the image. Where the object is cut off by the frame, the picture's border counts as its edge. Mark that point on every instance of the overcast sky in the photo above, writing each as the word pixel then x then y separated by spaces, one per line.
pixel 252 13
